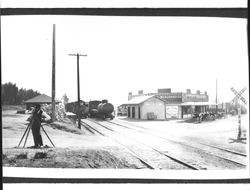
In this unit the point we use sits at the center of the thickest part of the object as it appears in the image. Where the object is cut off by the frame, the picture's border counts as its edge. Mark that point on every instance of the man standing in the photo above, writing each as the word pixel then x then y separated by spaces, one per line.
pixel 35 123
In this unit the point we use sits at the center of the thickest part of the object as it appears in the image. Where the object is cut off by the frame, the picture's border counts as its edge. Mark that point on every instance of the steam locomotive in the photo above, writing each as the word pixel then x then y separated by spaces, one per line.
pixel 72 107
pixel 93 109
pixel 101 109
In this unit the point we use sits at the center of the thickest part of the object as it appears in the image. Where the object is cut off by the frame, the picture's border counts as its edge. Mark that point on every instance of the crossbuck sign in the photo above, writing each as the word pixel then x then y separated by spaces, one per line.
pixel 238 95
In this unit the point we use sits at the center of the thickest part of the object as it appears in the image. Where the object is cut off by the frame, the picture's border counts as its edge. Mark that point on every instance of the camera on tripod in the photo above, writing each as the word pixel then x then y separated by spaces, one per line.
pixel 35 123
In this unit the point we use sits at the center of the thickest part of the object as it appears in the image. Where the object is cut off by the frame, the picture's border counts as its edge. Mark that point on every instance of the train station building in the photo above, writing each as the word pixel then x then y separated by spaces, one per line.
pixel 40 99
pixel 146 107
pixel 165 104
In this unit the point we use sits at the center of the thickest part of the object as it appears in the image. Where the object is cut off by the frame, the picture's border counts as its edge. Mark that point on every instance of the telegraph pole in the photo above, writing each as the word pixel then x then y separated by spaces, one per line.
pixel 216 97
pixel 53 72
pixel 78 88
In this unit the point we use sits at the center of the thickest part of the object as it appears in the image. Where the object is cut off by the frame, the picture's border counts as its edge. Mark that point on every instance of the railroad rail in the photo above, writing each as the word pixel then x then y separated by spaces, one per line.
pixel 146 163
pixel 216 147
pixel 226 150
pixel 207 151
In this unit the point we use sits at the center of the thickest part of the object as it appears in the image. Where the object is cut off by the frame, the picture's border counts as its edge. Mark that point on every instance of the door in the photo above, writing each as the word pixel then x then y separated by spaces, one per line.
pixel 133 112
pixel 128 111
pixel 139 112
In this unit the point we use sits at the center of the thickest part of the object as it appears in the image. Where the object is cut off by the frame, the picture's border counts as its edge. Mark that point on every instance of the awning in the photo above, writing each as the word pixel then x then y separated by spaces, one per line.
pixel 198 104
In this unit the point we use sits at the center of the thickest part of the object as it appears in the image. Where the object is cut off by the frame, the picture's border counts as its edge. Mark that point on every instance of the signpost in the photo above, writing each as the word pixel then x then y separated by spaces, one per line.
pixel 238 96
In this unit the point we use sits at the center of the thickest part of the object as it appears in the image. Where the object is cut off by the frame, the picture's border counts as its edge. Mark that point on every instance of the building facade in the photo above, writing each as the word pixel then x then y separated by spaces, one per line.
pixel 174 97
pixel 146 107
pixel 177 105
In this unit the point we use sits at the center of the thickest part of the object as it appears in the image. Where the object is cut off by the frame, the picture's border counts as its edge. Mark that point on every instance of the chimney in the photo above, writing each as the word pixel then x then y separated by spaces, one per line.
pixel 140 92
pixel 188 91
pixel 198 92
pixel 130 95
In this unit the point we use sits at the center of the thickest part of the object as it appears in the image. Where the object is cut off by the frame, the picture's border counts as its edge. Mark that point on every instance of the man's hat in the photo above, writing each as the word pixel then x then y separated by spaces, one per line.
pixel 38 106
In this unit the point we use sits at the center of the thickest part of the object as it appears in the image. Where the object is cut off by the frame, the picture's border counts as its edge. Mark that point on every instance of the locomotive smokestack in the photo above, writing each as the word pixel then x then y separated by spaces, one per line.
pixel 104 101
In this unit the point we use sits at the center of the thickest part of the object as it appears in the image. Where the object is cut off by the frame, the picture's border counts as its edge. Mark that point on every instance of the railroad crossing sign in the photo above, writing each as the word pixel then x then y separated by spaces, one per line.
pixel 238 96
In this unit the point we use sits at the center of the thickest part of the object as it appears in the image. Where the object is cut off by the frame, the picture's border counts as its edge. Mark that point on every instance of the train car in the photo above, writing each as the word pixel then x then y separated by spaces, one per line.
pixel 93 108
pixel 101 109
pixel 72 107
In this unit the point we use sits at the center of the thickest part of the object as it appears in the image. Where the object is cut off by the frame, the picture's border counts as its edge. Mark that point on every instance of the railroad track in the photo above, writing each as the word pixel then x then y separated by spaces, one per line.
pixel 208 145
pixel 224 154
pixel 148 163
pixel 226 150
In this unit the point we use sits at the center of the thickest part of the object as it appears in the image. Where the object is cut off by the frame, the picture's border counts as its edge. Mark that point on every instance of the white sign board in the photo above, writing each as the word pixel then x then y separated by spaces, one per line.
pixel 171 112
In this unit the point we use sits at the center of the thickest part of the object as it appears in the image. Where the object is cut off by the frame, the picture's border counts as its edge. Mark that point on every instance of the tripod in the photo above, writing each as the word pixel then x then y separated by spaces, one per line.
pixel 27 131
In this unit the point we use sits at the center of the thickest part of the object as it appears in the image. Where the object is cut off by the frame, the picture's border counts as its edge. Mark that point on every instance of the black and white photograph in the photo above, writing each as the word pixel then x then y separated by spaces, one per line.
pixel 100 96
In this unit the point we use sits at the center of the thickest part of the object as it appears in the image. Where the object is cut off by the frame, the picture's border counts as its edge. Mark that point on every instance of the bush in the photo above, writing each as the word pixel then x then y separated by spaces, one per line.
pixel 60 113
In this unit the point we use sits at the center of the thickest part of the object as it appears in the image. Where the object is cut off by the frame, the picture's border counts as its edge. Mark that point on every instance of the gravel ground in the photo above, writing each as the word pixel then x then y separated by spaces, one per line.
pixel 74 148
pixel 221 132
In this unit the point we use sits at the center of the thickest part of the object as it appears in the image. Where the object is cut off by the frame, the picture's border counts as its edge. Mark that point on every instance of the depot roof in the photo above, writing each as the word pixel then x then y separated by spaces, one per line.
pixel 141 99
pixel 42 99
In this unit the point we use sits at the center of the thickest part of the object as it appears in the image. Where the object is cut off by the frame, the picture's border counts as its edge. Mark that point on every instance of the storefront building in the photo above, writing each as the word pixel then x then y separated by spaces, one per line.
pixel 177 105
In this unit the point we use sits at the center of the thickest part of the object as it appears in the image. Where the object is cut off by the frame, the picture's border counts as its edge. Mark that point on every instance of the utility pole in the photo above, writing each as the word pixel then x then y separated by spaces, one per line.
pixel 216 97
pixel 78 89
pixel 53 72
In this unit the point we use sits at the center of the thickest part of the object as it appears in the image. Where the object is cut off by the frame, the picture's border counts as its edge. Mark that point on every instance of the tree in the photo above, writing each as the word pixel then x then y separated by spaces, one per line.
pixel 11 95
pixel 65 99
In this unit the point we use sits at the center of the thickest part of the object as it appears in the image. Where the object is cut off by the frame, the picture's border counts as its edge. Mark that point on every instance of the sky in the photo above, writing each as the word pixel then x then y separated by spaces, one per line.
pixel 126 54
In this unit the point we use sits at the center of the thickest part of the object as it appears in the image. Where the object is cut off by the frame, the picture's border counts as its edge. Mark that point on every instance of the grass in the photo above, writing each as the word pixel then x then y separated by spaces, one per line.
pixel 66 126
pixel 13 107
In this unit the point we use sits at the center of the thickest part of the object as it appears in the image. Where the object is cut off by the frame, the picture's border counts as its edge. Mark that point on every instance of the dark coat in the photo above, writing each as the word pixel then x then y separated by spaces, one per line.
pixel 35 126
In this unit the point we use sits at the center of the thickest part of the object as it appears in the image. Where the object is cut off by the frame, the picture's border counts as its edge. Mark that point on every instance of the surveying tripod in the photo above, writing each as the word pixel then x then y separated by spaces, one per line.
pixel 27 131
